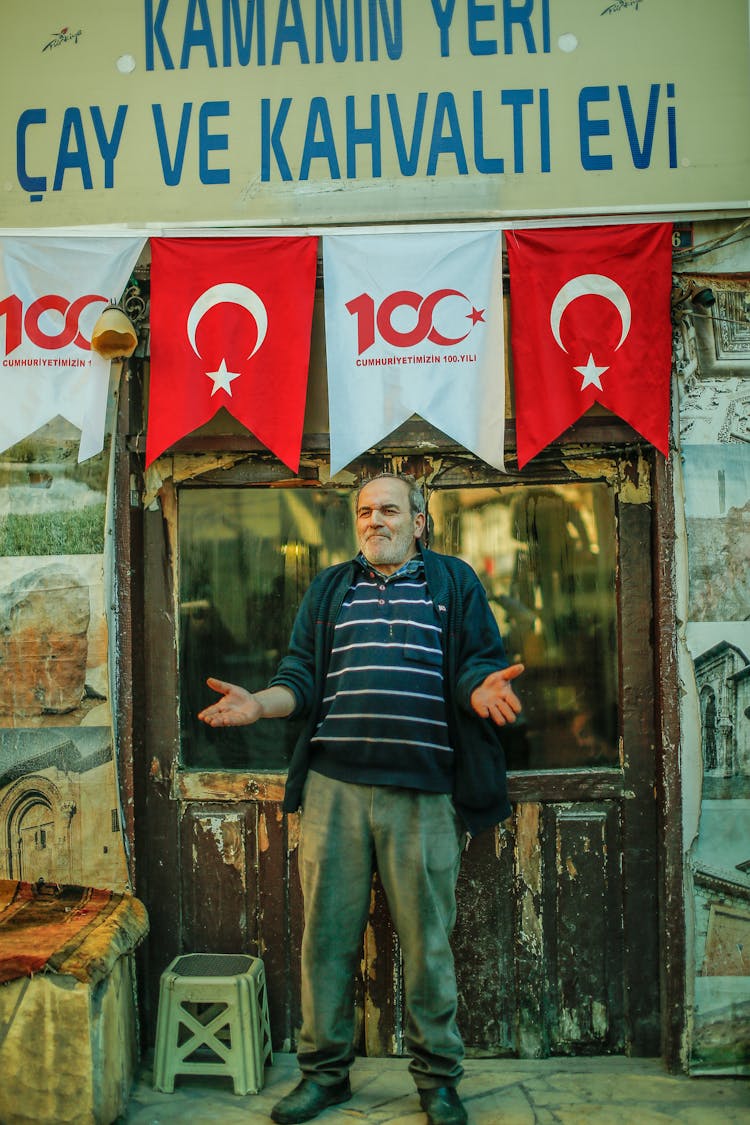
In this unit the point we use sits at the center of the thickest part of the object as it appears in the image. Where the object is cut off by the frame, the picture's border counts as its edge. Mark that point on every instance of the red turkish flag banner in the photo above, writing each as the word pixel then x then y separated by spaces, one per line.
pixel 590 322
pixel 230 326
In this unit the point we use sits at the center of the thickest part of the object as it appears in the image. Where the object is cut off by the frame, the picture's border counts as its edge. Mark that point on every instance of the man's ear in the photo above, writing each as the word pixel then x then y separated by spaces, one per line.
pixel 419 525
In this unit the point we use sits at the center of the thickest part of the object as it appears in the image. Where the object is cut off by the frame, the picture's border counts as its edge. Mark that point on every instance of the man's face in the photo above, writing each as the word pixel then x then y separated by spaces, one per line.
pixel 387 529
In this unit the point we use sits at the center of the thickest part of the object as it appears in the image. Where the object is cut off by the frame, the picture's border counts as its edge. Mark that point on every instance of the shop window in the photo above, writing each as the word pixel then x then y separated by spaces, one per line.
pixel 247 555
pixel 546 556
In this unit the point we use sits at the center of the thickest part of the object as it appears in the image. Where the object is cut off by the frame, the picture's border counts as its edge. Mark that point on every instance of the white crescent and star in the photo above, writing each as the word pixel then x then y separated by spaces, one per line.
pixel 590 284
pixel 435 336
pixel 233 294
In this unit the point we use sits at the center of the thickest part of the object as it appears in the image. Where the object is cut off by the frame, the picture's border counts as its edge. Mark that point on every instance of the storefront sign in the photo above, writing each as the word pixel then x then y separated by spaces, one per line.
pixel 301 111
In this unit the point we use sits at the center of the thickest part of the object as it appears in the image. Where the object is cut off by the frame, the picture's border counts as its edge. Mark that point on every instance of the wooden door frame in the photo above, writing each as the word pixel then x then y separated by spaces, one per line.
pixel 140 675
pixel 672 922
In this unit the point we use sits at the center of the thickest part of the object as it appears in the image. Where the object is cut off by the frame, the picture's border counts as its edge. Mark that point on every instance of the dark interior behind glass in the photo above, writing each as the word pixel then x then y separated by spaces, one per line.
pixel 546 557
pixel 545 554
pixel 247 555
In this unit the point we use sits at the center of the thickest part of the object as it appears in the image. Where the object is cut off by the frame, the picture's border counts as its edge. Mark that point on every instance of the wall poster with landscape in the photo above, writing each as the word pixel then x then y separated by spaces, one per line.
pixel 60 818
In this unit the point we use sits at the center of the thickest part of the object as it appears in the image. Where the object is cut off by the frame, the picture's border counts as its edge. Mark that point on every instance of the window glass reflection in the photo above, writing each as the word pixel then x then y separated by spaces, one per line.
pixel 546 556
pixel 247 555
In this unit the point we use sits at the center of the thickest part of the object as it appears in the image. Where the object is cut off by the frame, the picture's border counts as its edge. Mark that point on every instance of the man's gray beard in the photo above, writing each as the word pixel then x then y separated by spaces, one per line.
pixel 391 552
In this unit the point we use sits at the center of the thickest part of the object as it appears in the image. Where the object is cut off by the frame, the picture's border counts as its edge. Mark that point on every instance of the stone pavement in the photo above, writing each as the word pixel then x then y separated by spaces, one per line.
pixel 596 1091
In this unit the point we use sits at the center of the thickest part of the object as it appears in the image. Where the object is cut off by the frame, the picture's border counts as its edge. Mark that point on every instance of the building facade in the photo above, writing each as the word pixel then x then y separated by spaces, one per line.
pixel 606 915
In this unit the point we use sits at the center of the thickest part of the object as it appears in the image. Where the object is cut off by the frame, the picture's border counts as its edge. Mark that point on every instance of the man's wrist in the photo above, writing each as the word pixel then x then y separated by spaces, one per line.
pixel 275 702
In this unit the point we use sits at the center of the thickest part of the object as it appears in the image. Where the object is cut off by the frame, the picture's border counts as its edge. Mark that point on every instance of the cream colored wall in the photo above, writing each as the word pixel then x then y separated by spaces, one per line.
pixel 138 113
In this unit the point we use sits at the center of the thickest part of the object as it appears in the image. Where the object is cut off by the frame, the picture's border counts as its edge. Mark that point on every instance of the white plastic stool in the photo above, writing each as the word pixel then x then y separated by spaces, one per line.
pixel 213 1019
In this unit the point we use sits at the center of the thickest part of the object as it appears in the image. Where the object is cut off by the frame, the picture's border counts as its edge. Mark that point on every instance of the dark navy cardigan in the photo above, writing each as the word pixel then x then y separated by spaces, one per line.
pixel 472 648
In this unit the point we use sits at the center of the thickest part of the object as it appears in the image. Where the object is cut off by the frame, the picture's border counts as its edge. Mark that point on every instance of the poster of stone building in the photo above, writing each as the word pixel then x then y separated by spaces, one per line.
pixel 717 508
pixel 717 513
pixel 59 807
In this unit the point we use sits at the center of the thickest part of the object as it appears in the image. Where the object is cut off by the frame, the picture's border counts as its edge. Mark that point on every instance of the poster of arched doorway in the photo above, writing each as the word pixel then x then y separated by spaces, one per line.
pixel 59 811
pixel 35 819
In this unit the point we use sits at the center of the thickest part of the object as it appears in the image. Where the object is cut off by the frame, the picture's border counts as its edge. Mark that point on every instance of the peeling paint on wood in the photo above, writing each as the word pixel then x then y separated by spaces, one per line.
pixel 226 833
pixel 263 843
pixel 214 888
pixel 602 468
pixel 599 1019
pixel 227 785
pixel 168 501
pixel 635 487
pixel 529 873
pixel 381 980
pixel 528 856
pixel 533 998
pixel 587 910
pixel 181 467
pixel 503 837
pixel 631 477
pixel 531 925
pixel 370 956
pixel 292 831
pixel 371 1019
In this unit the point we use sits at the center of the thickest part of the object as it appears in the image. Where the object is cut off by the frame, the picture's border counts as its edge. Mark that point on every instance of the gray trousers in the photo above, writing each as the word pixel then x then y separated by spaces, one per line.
pixel 414 840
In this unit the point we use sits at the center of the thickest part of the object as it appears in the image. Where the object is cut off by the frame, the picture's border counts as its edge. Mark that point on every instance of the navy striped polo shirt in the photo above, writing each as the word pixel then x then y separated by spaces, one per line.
pixel 383 716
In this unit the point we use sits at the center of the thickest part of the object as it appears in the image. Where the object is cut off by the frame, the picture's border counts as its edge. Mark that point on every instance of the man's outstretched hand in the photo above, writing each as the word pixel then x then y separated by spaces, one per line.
pixel 495 698
pixel 236 708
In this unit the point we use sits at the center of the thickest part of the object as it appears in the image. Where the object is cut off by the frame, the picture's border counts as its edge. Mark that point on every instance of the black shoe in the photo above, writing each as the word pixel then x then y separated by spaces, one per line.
pixel 442 1106
pixel 308 1099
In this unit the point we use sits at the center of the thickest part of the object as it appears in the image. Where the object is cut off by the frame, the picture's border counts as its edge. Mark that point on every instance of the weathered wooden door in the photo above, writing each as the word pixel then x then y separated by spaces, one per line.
pixel 556 943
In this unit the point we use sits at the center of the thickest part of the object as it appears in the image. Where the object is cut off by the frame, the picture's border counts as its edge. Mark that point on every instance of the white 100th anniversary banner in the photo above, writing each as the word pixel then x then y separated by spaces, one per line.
pixel 414 325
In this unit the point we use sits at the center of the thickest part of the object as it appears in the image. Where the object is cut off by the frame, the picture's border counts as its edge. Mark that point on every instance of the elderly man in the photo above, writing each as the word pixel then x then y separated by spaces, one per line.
pixel 397 664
